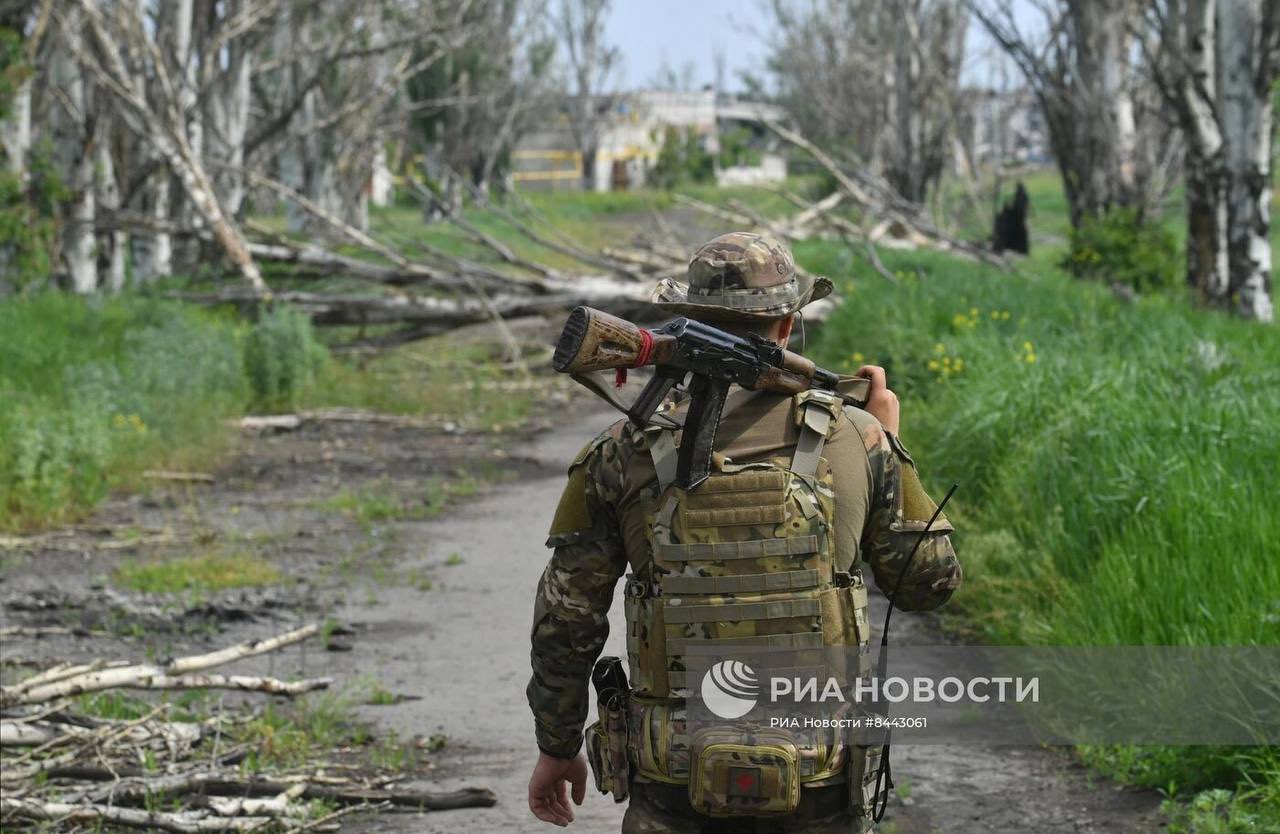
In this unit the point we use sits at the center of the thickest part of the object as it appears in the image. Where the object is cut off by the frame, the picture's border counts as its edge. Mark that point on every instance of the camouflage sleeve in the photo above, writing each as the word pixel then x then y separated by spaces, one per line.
pixel 570 616
pixel 900 508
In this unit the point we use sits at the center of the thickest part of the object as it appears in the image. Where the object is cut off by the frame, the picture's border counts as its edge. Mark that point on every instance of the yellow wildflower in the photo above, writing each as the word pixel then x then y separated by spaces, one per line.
pixel 933 365
pixel 939 348
pixel 1031 358
pixel 857 357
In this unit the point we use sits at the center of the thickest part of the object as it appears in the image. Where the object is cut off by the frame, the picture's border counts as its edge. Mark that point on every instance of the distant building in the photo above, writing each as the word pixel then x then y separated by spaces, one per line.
pixel 634 129
pixel 1003 128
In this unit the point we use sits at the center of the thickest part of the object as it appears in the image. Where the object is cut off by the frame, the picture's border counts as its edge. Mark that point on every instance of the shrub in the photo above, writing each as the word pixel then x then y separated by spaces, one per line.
pixel 281 357
pixel 681 159
pixel 1119 247
pixel 92 391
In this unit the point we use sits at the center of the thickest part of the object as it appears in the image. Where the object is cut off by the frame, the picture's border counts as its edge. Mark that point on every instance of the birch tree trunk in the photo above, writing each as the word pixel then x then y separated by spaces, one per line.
pixel 226 114
pixel 1197 90
pixel 113 243
pixel 1220 65
pixel 15 130
pixel 73 150
pixel 1244 107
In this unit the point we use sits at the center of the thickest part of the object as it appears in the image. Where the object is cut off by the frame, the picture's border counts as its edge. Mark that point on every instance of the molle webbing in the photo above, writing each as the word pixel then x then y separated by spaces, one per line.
pixel 762 481
pixel 736 516
pixel 797 640
pixel 751 549
pixel 682 680
pixel 740 611
pixel 790 580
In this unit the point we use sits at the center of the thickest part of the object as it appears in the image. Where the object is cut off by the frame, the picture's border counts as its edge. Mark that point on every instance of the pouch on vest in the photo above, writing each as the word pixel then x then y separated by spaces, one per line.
pixel 741 771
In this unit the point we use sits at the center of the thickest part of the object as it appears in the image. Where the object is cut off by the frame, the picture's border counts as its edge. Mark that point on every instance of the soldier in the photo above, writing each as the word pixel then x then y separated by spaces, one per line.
pixel 793 470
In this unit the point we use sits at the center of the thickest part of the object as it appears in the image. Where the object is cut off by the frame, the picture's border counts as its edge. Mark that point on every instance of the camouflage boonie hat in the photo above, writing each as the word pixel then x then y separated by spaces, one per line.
pixel 740 276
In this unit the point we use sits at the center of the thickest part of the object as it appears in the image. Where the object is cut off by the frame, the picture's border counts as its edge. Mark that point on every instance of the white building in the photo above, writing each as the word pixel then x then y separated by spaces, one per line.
pixel 633 136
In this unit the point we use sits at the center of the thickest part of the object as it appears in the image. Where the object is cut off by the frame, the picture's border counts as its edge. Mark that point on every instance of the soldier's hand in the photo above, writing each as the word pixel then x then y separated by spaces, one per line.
pixel 882 403
pixel 548 797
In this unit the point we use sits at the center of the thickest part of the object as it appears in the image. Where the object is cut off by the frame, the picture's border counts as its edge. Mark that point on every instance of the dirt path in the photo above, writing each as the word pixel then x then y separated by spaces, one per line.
pixel 470 665
pixel 440 610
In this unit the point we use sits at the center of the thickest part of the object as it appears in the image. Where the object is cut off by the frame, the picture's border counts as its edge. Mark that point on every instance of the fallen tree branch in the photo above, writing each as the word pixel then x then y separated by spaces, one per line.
pixel 172 675
pixel 180 822
pixel 184 477
pixel 889 205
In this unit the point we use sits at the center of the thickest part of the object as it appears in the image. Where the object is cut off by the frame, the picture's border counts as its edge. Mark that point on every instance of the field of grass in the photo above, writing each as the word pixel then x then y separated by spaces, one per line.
pixel 93 392
pixel 1117 470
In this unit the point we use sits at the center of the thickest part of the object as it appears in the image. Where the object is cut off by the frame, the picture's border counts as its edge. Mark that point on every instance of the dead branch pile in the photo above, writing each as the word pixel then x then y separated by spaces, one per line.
pixel 64 768
pixel 432 291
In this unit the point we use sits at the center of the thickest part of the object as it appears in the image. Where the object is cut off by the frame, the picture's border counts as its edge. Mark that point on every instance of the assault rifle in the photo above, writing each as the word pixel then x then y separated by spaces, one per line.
pixel 713 359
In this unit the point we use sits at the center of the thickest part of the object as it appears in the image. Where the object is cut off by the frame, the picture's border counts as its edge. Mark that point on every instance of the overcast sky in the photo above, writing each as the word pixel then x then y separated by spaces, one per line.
pixel 651 33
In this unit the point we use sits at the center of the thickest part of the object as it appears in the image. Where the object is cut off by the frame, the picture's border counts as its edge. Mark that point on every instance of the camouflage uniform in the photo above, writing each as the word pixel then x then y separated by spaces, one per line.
pixel 603 522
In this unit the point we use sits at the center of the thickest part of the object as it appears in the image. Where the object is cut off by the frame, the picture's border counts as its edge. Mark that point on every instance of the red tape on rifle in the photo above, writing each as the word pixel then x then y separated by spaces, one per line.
pixel 642 358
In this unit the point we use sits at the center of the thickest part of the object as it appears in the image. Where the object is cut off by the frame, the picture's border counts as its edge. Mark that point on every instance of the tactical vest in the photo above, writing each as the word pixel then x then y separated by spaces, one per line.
pixel 745 560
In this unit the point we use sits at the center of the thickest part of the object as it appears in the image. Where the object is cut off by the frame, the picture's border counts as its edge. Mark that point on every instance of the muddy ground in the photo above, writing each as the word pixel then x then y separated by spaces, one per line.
pixel 436 607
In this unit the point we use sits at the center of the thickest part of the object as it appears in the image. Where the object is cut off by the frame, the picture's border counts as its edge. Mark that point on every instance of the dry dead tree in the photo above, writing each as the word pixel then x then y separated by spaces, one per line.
pixel 878 199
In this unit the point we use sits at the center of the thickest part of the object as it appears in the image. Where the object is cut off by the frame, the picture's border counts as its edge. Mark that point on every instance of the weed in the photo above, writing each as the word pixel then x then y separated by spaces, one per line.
pixel 383 501
pixel 212 571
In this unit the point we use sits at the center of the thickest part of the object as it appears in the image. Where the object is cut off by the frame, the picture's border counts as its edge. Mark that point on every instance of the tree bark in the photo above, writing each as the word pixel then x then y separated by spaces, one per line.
pixel 15 130
pixel 1244 104
pixel 112 243
pixel 73 149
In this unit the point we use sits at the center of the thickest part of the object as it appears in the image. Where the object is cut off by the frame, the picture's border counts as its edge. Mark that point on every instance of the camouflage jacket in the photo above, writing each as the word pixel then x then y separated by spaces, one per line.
pixel 599 530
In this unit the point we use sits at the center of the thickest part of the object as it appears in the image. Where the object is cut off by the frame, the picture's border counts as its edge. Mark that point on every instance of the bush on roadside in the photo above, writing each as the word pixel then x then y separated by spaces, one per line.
pixel 94 391
pixel 281 358
pixel 1119 247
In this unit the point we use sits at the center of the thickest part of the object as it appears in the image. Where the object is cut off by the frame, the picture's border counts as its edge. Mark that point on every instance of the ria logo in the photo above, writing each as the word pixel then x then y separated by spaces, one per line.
pixel 729 689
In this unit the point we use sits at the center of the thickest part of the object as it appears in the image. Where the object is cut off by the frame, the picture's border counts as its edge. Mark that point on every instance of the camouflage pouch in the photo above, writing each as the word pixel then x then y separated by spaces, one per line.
pixel 614 720
pixel 597 744
pixel 606 743
pixel 740 771
pixel 863 765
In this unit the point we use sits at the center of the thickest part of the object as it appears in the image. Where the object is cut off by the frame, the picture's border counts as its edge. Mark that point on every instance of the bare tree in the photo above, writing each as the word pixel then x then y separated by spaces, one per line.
pixel 104 42
pixel 470 108
pixel 1111 149
pixel 877 79
pixel 580 26
pixel 1216 61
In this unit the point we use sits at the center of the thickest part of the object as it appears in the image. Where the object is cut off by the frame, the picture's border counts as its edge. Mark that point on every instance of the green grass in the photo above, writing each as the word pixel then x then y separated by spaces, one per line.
pixel 1117 471
pixel 94 392
pixel 206 572
pixel 383 501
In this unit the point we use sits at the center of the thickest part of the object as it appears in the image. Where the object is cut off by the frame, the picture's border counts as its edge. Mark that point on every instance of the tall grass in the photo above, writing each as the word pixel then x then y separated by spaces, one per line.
pixel 1117 461
pixel 93 392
